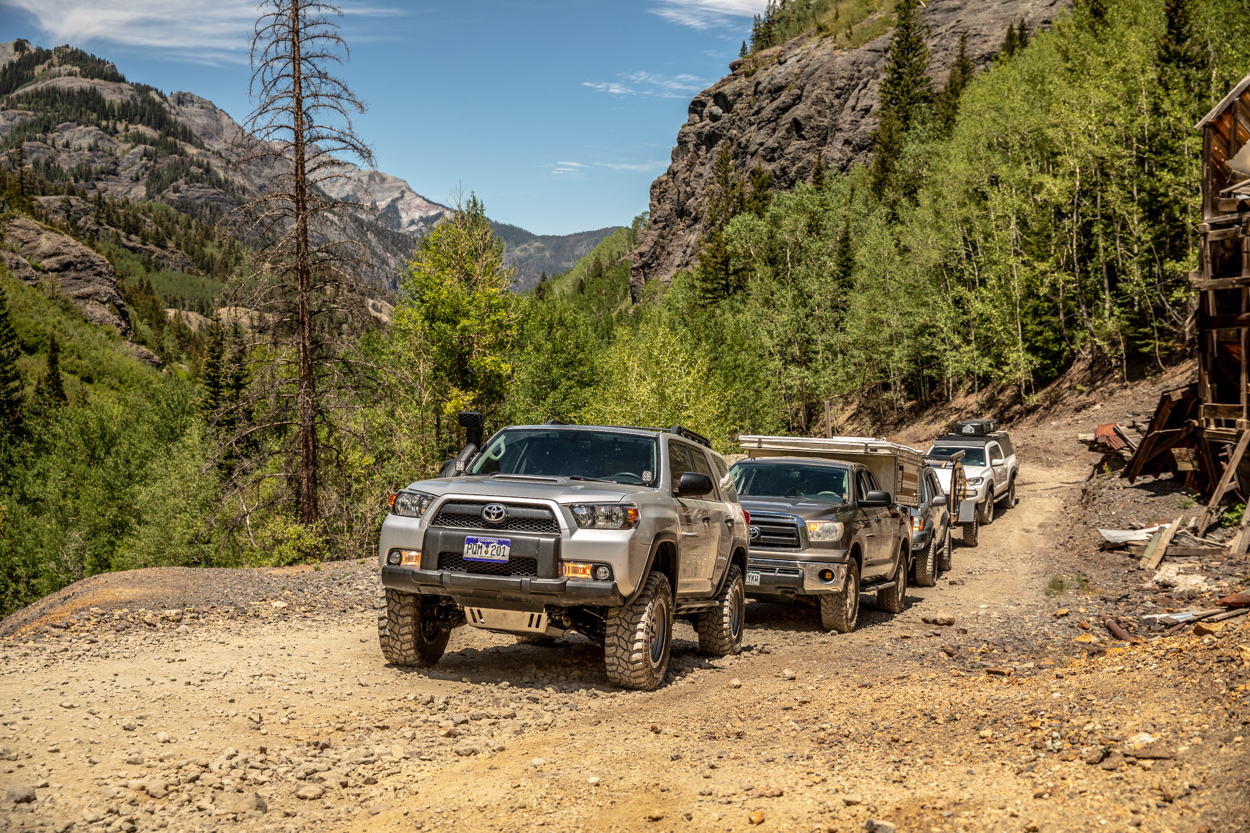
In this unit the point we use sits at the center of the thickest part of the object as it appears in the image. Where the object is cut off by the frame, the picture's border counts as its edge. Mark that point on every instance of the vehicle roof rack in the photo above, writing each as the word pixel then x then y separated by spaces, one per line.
pixel 690 435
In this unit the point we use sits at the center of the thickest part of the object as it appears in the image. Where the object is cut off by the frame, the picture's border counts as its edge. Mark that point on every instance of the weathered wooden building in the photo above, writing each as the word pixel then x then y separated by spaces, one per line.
pixel 1212 417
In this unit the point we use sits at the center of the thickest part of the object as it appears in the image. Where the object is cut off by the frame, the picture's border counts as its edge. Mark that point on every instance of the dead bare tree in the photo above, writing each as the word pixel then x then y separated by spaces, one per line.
pixel 301 290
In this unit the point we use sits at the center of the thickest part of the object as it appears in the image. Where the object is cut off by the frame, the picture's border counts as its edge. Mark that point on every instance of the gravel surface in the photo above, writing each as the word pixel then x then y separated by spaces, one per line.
pixel 998 701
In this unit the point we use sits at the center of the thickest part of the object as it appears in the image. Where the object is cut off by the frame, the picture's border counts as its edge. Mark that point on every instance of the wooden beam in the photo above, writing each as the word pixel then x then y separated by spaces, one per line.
pixel 1183 552
pixel 1219 283
pixel 1226 480
pixel 1239 544
pixel 1150 560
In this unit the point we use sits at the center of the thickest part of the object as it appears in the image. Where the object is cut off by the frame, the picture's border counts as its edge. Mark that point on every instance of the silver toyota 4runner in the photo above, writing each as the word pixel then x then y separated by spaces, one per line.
pixel 612 532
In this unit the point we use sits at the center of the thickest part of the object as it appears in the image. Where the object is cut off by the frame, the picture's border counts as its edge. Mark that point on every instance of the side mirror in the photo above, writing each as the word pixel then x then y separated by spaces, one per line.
pixel 876 498
pixel 941 500
pixel 694 484
pixel 997 461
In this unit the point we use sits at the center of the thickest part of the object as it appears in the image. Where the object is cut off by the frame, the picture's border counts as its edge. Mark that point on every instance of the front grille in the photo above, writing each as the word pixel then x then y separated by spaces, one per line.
pixel 454 562
pixel 520 518
pixel 775 532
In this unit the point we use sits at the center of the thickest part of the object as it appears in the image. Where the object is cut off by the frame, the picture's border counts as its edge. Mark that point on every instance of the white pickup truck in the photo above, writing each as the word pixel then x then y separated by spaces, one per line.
pixel 990 468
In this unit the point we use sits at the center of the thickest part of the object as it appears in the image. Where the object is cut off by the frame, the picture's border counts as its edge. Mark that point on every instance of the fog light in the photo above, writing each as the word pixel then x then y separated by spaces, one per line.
pixel 574 570
pixel 409 558
pixel 392 558
pixel 826 575
pixel 603 572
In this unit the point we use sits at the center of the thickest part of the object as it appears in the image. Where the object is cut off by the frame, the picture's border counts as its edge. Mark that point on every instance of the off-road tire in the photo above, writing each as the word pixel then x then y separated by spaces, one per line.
pixel 840 611
pixel 987 509
pixel 535 639
pixel 924 571
pixel 407 635
pixel 720 629
pixel 972 531
pixel 944 554
pixel 894 599
pixel 1011 493
pixel 630 651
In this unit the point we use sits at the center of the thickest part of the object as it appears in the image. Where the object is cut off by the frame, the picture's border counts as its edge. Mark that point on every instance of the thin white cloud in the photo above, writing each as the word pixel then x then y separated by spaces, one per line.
pixel 640 167
pixel 650 84
pixel 704 14
pixel 198 31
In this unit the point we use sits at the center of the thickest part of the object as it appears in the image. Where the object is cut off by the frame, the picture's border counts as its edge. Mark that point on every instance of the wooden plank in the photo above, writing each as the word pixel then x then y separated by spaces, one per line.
pixel 1238 545
pixel 1215 410
pixel 1151 548
pixel 1226 480
pixel 1228 614
pixel 1224 322
pixel 1183 552
pixel 1151 559
pixel 1219 283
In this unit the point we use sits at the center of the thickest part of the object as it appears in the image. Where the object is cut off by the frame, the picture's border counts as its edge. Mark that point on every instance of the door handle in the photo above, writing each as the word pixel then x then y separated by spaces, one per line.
pixel 707 519
pixel 729 522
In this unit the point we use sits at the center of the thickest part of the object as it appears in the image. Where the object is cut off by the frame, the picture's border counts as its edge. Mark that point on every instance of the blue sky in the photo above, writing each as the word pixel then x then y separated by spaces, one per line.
pixel 557 113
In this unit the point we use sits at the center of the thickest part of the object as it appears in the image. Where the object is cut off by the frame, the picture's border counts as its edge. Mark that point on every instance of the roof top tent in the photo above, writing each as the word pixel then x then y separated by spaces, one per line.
pixel 895 467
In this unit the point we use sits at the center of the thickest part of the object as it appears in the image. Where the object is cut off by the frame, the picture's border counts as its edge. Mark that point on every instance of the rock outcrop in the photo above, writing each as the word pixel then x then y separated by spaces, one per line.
pixel 782 106
pixel 33 253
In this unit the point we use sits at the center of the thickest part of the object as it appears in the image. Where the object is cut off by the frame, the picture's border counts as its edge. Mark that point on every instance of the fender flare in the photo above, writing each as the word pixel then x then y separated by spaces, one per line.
pixel 665 537
pixel 738 549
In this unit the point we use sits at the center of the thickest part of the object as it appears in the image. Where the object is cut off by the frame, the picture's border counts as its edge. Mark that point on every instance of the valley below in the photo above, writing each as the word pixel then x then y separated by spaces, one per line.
pixel 209 700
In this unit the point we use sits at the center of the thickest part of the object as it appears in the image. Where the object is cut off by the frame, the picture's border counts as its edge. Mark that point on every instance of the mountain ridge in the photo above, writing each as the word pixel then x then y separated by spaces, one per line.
pixel 782 107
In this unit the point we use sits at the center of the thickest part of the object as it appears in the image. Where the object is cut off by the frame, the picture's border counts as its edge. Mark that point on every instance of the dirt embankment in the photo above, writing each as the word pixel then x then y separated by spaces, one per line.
pixel 258 700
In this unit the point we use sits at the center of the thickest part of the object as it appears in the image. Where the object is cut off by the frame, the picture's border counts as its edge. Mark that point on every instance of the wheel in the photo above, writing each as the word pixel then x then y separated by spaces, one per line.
pixel 535 639
pixel 640 637
pixel 972 531
pixel 894 599
pixel 408 632
pixel 944 554
pixel 1011 492
pixel 924 572
pixel 840 611
pixel 987 508
pixel 720 629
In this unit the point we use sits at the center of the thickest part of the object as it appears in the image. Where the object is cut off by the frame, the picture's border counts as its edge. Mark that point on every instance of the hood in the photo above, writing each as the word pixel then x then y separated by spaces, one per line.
pixel 558 489
pixel 805 509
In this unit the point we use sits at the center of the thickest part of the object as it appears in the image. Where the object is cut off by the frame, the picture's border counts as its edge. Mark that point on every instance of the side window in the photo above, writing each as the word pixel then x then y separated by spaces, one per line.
pixel 727 489
pixel 679 461
pixel 702 467
pixel 864 483
pixel 994 452
pixel 1005 442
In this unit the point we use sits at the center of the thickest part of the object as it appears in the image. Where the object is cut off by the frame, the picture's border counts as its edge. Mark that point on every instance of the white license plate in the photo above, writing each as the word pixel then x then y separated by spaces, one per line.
pixel 493 550
pixel 753 578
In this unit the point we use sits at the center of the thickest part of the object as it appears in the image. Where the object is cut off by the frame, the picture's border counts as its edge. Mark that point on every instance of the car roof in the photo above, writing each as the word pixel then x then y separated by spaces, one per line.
pixel 615 429
pixel 807 461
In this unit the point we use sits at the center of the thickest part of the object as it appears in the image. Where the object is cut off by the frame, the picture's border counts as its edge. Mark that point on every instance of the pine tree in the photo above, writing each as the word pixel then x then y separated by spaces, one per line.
pixel 818 170
pixel 742 53
pixel 1022 35
pixel 214 381
pixel 906 89
pixel 948 102
pixel 50 388
pixel 906 92
pixel 1011 42
pixel 726 200
pixel 10 376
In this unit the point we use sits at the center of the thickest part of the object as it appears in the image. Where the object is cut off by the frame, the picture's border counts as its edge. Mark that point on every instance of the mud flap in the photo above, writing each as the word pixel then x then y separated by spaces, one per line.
pixel 967 511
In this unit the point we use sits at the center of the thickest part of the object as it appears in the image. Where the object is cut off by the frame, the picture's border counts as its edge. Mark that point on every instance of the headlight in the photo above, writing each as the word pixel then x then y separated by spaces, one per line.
pixel 605 515
pixel 824 531
pixel 411 504
pixel 917 523
pixel 975 481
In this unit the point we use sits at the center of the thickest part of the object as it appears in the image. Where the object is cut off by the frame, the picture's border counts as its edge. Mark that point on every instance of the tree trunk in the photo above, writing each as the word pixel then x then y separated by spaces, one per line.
pixel 306 398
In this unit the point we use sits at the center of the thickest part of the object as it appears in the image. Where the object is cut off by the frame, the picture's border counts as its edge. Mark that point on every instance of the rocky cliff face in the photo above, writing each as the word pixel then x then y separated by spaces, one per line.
pixel 34 252
pixel 782 106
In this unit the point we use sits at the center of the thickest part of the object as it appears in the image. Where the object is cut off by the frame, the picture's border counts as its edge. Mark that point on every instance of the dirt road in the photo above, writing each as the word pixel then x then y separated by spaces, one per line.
pixel 281 715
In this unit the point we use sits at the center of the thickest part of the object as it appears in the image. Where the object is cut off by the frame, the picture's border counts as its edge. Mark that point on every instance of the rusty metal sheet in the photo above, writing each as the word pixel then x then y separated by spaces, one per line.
pixel 1108 436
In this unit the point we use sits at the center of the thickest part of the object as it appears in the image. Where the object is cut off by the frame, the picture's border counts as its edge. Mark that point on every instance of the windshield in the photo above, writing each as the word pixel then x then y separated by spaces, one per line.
pixel 571 452
pixel 972 456
pixel 827 484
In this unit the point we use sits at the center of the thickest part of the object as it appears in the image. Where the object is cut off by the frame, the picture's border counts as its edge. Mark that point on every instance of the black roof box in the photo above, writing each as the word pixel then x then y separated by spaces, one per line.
pixel 976 427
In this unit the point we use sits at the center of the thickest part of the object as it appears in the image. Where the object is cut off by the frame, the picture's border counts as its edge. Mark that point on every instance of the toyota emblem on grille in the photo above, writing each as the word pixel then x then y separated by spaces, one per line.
pixel 494 513
pixel 754 532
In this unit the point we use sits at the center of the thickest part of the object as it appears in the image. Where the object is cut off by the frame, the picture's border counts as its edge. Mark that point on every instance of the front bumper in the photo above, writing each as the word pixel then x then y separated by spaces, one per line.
pixel 521 592
pixel 920 540
pixel 794 576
